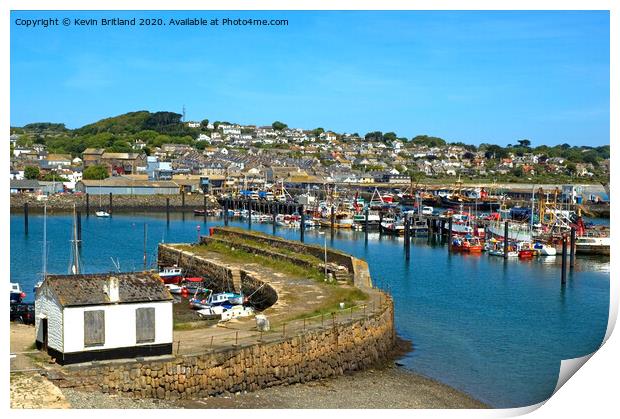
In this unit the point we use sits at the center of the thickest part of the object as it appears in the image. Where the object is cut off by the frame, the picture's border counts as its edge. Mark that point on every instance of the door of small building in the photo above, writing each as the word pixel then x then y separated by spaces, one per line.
pixel 44 329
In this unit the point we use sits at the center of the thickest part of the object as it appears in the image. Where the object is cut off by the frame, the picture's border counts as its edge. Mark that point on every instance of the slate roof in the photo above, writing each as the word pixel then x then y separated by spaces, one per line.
pixel 90 289
pixel 25 184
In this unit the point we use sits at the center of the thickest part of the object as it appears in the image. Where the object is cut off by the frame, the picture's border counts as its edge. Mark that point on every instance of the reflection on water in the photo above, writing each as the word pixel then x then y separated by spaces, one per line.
pixel 494 328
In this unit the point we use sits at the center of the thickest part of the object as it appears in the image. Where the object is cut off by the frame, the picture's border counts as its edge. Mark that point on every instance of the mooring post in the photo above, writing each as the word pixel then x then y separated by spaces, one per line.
pixel 564 251
pixel 506 240
pixel 183 199
pixel 226 212
pixel 168 210
pixel 332 219
pixel 366 222
pixel 380 222
pixel 87 204
pixel 302 225
pixel 249 215
pixel 573 246
pixel 406 237
pixel 110 204
pixel 79 227
pixel 25 217
pixel 204 207
pixel 274 214
pixel 450 234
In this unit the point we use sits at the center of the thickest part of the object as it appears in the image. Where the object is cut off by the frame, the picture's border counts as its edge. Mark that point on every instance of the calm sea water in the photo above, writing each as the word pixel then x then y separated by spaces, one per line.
pixel 496 330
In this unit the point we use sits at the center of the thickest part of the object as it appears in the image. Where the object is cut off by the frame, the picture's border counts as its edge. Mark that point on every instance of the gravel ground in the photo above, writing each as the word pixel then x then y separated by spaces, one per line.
pixel 386 388
pixel 95 400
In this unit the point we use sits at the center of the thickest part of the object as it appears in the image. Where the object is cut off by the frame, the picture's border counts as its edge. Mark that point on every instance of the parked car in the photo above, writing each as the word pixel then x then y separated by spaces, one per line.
pixel 22 313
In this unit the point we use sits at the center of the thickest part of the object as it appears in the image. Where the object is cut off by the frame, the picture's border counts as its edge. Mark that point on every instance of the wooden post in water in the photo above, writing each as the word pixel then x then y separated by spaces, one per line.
pixel 249 204
pixel 564 251
pixel 79 227
pixel 25 218
pixel 204 207
pixel 332 219
pixel 168 210
pixel 110 204
pixel 407 240
pixel 573 246
pixel 366 223
pixel 87 204
pixel 226 212
pixel 506 240
pixel 182 199
pixel 302 225
pixel 450 234
pixel 380 222
pixel 274 214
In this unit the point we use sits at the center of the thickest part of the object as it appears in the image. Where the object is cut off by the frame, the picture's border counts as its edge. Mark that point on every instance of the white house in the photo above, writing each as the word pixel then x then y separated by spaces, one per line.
pixel 80 318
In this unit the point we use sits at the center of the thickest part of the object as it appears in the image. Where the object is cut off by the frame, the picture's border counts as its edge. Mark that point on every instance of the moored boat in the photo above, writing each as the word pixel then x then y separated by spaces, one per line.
pixel 171 274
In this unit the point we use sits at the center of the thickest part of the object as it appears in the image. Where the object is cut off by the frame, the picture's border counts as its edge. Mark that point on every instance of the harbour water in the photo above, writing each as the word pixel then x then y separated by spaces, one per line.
pixel 494 329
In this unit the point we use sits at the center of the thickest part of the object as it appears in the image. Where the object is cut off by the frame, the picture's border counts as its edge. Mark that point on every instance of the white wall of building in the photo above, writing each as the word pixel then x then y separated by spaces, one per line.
pixel 46 305
pixel 120 325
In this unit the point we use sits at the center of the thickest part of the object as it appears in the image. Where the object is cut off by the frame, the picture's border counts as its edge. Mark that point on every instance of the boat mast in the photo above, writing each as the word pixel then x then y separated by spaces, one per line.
pixel 145 229
pixel 44 240
pixel 75 247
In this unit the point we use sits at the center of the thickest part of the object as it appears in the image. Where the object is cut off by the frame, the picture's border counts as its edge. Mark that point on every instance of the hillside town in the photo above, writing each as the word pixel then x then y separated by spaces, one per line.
pixel 223 157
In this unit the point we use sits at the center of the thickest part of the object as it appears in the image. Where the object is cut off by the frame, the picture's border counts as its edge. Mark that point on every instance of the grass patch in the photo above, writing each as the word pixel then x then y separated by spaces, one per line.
pixel 349 295
pixel 238 255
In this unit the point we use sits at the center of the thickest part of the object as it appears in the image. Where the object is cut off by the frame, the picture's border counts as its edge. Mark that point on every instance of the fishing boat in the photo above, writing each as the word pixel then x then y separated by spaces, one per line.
pixel 102 214
pixel 373 218
pixel 174 289
pixel 468 244
pixel 590 245
pixel 171 274
pixel 525 250
pixel 199 212
pixel 17 295
pixel 496 248
pixel 395 228
pixel 418 228
pixel 341 220
pixel 205 298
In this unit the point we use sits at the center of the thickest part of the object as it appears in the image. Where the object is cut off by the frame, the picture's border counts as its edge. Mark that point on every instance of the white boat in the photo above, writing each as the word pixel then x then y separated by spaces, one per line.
pixel 174 288
pixel 101 213
pixel 586 245
pixel 517 233
pixel 545 250
pixel 171 274
pixel 16 293
pixel 427 210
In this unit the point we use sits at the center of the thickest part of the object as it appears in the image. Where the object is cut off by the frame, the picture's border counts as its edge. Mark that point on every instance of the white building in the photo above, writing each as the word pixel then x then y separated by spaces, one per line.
pixel 80 318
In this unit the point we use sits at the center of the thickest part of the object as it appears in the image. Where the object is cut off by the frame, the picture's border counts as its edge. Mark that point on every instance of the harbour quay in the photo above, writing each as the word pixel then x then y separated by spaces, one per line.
pixel 320 326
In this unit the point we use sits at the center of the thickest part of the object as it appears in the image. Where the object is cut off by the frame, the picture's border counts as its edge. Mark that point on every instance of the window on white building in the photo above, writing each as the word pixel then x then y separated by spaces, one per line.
pixel 145 325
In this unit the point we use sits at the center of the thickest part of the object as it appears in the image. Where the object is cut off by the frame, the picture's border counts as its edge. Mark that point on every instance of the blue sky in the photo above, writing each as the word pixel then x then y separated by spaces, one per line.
pixel 465 76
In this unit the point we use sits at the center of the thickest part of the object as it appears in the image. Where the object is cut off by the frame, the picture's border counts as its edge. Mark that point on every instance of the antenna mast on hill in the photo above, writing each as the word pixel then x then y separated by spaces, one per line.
pixel 183 113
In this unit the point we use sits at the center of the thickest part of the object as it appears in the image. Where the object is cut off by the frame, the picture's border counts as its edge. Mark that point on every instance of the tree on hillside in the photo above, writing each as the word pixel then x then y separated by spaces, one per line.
pixel 95 173
pixel 318 131
pixel 54 177
pixel 389 136
pixel 428 141
pixel 204 123
pixel 279 126
pixel 524 143
pixel 374 136
pixel 32 172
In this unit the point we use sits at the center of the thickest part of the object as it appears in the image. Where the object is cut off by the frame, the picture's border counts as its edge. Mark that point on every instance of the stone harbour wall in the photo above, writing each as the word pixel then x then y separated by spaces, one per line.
pixel 325 353
pixel 120 203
